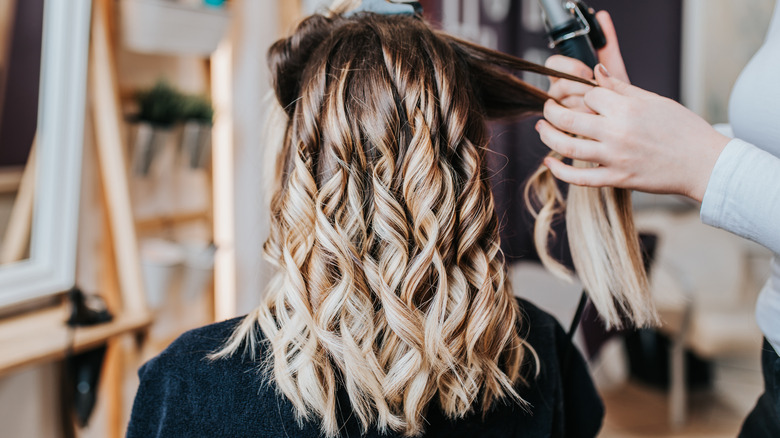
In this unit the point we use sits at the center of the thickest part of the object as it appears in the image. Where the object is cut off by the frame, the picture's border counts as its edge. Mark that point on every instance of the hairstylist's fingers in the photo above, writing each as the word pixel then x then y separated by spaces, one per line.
pixel 572 66
pixel 573 122
pixel 580 176
pixel 577 103
pixel 560 90
pixel 602 100
pixel 566 145
pixel 609 55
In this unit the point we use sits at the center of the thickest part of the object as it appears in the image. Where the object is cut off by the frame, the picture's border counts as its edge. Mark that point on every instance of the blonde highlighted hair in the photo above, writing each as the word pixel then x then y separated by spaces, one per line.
pixel 390 281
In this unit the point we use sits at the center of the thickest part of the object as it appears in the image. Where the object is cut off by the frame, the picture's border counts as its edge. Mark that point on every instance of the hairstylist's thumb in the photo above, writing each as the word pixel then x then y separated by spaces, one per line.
pixel 609 55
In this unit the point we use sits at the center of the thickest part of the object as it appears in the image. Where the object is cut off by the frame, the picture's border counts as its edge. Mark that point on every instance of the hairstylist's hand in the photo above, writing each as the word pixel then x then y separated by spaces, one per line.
pixel 570 93
pixel 639 140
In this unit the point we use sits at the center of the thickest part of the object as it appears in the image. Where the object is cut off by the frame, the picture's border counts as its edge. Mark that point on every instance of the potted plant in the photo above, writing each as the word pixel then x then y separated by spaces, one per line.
pixel 159 108
pixel 197 113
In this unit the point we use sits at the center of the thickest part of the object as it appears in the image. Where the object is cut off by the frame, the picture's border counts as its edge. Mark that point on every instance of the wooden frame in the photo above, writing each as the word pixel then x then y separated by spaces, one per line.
pixel 50 269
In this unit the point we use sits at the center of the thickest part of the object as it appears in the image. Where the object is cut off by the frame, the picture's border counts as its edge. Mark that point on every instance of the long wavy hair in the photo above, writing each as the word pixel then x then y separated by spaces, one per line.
pixel 390 282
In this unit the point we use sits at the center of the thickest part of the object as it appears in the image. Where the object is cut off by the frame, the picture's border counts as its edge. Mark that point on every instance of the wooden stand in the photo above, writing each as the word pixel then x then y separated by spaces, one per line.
pixel 107 119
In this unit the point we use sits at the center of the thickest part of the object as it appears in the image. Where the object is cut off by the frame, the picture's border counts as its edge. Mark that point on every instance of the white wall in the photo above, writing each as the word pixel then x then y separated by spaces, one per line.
pixel 255 29
pixel 719 38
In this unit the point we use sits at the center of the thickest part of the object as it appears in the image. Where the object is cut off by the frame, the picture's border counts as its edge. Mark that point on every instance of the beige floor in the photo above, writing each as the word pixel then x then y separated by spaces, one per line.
pixel 635 411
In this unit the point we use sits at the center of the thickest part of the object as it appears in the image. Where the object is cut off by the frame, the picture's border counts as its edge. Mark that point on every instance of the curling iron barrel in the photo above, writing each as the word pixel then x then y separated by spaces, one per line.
pixel 573 30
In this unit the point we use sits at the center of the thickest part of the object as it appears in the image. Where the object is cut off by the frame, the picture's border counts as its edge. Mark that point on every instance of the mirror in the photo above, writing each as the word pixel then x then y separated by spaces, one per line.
pixel 44 47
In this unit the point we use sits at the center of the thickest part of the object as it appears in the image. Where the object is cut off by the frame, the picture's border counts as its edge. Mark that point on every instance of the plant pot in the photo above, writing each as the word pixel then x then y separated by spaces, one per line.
pixel 196 144
pixel 167 27
pixel 147 143
pixel 161 261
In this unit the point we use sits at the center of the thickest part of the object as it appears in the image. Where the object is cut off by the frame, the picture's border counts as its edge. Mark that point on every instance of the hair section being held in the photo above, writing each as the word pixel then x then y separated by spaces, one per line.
pixel 604 245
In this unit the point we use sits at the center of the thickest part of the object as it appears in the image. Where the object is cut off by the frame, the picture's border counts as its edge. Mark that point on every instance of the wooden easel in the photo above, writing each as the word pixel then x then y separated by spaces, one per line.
pixel 107 120
pixel 123 282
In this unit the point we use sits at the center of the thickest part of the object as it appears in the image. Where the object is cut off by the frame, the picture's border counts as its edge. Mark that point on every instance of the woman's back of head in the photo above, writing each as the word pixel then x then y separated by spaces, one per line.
pixel 385 227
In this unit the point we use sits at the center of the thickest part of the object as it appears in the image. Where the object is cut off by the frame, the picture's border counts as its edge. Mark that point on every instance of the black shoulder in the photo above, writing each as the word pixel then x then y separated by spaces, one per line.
pixel 200 391
pixel 563 382
pixel 189 354
pixel 207 338
pixel 535 323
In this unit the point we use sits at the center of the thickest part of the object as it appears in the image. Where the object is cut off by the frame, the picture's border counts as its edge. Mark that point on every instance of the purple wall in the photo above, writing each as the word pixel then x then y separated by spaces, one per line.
pixel 19 83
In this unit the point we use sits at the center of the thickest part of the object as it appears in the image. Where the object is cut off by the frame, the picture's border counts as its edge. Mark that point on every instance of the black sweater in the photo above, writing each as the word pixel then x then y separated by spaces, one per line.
pixel 182 394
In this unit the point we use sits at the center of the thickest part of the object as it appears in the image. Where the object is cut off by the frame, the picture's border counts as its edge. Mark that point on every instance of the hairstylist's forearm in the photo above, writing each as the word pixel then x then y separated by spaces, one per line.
pixel 701 169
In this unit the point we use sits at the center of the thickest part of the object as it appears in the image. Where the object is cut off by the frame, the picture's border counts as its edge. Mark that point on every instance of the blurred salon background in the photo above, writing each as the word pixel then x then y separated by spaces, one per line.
pixel 132 164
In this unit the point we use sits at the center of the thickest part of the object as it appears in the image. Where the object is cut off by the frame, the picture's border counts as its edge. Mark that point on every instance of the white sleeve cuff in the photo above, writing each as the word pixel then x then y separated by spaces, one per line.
pixel 712 211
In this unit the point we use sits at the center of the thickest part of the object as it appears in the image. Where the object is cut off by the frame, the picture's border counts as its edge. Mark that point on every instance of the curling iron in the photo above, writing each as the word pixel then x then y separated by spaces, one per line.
pixel 573 29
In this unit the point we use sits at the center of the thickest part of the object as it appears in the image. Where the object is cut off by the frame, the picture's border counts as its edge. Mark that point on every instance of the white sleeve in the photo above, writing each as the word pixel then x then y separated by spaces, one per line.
pixel 743 194
pixel 743 197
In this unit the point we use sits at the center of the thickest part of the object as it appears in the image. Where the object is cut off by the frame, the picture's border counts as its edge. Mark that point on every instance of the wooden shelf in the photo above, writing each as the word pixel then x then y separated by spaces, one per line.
pixel 43 336
pixel 157 222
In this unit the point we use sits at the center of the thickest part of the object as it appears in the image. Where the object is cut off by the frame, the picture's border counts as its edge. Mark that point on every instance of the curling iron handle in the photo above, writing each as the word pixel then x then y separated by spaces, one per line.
pixel 579 48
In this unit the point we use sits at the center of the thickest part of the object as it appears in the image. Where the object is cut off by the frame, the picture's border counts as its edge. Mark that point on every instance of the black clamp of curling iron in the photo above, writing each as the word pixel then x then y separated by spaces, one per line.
pixel 573 29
